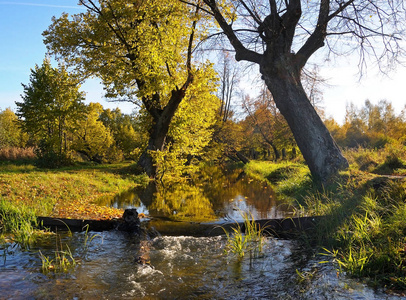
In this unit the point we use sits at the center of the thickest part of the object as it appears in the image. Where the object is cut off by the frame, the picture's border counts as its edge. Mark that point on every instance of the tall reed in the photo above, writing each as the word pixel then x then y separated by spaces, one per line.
pixel 247 238
pixel 62 262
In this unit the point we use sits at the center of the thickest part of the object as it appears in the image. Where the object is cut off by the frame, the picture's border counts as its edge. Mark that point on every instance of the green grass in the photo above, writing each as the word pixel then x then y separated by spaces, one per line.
pixel 289 180
pixel 62 262
pixel 365 231
pixel 45 191
pixel 17 224
pixel 27 192
pixel 370 242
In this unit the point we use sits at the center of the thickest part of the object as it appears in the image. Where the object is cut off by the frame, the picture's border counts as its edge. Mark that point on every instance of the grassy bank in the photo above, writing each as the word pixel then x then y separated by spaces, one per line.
pixel 27 191
pixel 365 232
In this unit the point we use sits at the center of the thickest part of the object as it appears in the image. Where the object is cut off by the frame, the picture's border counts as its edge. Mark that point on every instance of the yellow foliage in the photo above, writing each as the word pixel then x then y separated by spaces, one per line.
pixel 192 127
pixel 91 136
pixel 138 48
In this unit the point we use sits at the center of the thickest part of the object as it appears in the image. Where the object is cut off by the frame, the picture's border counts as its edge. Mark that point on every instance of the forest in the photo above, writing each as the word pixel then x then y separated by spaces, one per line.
pixel 52 137
pixel 61 154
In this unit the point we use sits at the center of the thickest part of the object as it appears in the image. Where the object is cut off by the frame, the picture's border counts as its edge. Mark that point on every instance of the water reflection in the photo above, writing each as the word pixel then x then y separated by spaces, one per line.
pixel 213 195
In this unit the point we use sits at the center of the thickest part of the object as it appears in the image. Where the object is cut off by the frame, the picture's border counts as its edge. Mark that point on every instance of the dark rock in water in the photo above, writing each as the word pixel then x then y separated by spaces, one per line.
pixel 144 250
pixel 130 221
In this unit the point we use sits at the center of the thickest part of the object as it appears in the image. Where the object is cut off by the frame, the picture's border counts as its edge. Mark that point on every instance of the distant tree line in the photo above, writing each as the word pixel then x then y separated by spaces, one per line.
pixel 55 122
pixel 264 134
pixel 371 126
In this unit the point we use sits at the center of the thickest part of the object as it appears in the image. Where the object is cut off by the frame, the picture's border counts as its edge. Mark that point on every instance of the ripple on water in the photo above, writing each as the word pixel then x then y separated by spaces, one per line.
pixel 181 268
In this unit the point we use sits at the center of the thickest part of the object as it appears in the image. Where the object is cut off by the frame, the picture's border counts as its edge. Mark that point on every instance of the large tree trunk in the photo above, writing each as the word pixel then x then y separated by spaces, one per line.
pixel 275 151
pixel 156 142
pixel 319 149
pixel 161 120
pixel 280 68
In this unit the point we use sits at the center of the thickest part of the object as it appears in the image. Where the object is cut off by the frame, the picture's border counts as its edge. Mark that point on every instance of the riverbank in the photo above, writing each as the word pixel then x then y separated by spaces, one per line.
pixel 28 191
pixel 366 231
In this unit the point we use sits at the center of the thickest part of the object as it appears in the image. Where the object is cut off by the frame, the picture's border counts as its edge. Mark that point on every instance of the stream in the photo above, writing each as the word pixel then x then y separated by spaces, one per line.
pixel 179 266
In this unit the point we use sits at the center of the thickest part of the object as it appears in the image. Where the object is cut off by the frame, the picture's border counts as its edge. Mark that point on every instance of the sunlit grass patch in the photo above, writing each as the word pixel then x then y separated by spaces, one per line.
pixel 370 236
pixel 289 179
pixel 385 161
pixel 72 192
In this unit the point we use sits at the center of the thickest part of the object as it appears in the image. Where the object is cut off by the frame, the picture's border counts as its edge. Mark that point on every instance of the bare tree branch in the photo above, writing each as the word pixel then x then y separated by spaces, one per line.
pixel 242 53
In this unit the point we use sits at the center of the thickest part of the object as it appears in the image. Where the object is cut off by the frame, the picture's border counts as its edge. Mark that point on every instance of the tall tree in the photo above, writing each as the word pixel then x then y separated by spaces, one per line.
pixel 142 51
pixel 10 132
pixel 281 35
pixel 50 107
pixel 191 130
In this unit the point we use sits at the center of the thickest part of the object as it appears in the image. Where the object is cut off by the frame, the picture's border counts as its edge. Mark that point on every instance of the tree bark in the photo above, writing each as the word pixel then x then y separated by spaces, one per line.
pixel 156 142
pixel 319 149
pixel 158 132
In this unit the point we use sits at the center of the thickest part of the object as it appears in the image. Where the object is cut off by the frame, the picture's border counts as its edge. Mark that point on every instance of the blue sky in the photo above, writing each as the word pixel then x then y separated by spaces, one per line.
pixel 21 44
pixel 21 47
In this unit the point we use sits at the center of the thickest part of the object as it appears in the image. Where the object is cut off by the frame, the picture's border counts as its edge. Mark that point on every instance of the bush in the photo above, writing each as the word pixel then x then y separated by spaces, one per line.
pixel 52 160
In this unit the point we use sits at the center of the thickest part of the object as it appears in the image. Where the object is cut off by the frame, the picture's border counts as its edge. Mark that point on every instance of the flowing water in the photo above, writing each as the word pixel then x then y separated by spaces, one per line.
pixel 178 266
pixel 181 267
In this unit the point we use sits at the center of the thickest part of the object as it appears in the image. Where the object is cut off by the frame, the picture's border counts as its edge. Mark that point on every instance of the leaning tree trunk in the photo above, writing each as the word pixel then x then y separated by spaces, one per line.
pixel 322 155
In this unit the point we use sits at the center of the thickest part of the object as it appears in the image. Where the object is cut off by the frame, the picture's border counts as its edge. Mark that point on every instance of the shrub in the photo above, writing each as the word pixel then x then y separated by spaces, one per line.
pixel 53 160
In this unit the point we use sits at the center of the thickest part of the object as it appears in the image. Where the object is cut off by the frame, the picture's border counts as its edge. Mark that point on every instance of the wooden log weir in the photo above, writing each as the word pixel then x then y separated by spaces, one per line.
pixel 76 225
pixel 283 228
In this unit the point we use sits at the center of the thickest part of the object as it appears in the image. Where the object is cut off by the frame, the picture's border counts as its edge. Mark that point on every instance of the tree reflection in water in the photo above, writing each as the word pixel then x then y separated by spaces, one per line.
pixel 211 195
pixel 182 202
